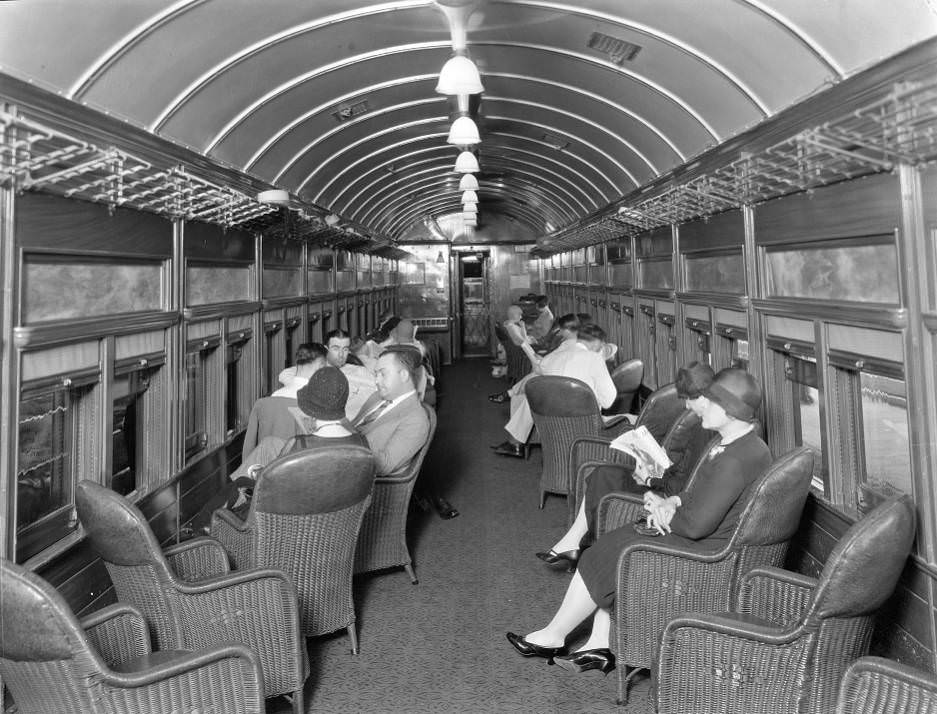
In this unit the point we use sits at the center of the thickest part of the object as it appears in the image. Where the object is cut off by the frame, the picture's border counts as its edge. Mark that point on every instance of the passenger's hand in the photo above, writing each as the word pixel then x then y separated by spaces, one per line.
pixel 640 473
pixel 661 514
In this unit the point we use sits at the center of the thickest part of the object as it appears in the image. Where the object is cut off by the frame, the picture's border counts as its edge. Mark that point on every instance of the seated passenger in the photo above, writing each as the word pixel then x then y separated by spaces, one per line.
pixel 702 518
pixel 633 477
pixel 405 334
pixel 271 416
pixel 516 330
pixel 392 420
pixel 321 414
pixel 305 352
pixel 583 361
pixel 544 322
pixel 360 378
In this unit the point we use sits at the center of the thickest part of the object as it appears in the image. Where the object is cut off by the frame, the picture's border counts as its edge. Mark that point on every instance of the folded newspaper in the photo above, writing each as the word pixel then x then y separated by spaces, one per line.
pixel 644 448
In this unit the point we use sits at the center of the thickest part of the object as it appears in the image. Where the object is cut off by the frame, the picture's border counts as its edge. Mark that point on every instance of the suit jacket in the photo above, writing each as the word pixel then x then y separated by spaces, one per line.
pixel 397 435
pixel 270 416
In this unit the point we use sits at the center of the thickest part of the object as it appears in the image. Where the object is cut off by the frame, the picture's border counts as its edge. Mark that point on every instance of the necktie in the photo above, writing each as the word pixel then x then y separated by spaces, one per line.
pixel 373 414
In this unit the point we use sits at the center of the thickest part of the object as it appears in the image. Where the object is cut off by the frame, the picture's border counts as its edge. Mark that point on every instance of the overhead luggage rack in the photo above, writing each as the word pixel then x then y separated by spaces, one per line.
pixel 899 128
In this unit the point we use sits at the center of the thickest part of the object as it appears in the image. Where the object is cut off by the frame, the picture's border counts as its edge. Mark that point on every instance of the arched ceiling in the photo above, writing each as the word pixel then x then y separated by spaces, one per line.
pixel 566 128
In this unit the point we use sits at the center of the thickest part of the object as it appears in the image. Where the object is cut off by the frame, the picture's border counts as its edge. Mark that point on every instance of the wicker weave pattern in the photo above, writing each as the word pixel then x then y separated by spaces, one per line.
pixel 557 435
pixel 712 672
pixel 118 637
pixel 236 537
pixel 135 584
pixel 655 587
pixel 60 686
pixel 585 453
pixel 878 686
pixel 382 541
pixel 197 559
pixel 317 552
pixel 617 510
pixel 840 641
pixel 259 612
pixel 232 686
pixel 768 595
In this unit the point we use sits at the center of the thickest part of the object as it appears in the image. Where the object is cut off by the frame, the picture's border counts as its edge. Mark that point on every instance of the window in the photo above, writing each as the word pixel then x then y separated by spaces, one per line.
pixel 56 440
pixel 233 356
pixel 804 399
pixel 887 448
pixel 126 444
pixel 239 366
pixel 273 354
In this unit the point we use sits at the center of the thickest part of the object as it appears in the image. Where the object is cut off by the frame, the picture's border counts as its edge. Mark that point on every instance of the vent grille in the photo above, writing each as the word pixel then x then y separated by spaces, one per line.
pixel 617 49
pixel 350 111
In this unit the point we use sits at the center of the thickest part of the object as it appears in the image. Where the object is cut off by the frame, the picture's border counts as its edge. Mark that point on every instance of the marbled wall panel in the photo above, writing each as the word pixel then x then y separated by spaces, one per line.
pixel 64 290
pixel 320 282
pixel 622 275
pixel 717 273
pixel 206 285
pixel 655 274
pixel 282 283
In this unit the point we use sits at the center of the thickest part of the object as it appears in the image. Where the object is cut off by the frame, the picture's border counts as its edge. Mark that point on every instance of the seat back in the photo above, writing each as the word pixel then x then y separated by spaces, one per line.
pixel 627 379
pixel 863 569
pixel 661 410
pixel 44 655
pixel 120 535
pixel 563 409
pixel 873 685
pixel 382 542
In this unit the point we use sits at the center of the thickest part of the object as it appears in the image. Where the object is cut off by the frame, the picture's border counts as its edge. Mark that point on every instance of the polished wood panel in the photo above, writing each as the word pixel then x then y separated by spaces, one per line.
pixel 211 243
pixel 724 230
pixel 864 207
pixel 63 225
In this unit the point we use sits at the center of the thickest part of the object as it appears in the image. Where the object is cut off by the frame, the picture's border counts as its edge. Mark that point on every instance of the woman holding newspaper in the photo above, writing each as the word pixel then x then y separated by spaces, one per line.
pixel 646 472
pixel 701 517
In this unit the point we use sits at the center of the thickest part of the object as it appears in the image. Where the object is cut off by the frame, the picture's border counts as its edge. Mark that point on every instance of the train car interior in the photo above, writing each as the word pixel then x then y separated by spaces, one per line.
pixel 274 276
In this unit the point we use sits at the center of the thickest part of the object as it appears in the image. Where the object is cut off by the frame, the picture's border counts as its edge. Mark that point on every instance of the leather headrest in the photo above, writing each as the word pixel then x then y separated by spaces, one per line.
pixel 116 529
pixel 560 397
pixel 864 567
pixel 35 623
pixel 661 410
pixel 628 375
pixel 777 500
pixel 319 480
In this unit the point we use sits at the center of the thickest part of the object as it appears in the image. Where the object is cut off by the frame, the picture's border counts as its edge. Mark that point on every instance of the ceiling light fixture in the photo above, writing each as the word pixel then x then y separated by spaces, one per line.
pixel 469 197
pixel 332 220
pixel 275 196
pixel 468 183
pixel 466 163
pixel 463 132
pixel 459 76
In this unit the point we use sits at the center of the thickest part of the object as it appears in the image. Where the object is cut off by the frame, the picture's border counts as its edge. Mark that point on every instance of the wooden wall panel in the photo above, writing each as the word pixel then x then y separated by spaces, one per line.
pixel 206 241
pixel 44 221
pixel 724 230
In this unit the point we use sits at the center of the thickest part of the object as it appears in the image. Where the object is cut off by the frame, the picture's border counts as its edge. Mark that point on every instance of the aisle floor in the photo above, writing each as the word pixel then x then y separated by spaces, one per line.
pixel 439 646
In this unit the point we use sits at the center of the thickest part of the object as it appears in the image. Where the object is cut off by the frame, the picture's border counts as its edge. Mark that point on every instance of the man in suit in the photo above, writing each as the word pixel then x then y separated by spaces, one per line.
pixel 392 420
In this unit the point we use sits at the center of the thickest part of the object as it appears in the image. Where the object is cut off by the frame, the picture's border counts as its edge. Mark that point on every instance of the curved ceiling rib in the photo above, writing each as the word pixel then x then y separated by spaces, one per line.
pixel 121 47
pixel 665 38
pixel 412 183
pixel 436 166
pixel 351 96
pixel 545 127
pixel 803 38
pixel 350 125
pixel 268 42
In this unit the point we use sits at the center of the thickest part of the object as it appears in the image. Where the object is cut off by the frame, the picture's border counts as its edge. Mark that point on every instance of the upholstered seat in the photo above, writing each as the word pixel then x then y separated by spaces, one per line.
pixel 518 362
pixel 627 378
pixel 817 627
pixel 190 615
pixel 657 581
pixel 382 542
pixel 51 662
pixel 304 519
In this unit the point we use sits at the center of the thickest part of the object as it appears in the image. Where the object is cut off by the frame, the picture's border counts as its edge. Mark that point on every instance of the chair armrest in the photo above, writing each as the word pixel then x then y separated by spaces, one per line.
pixel 228 678
pixel 596 451
pixel 775 595
pixel 728 663
pixel 235 536
pixel 118 633
pixel 256 607
pixel 617 510
pixel 615 420
pixel 197 559
pixel 871 680
pixel 616 427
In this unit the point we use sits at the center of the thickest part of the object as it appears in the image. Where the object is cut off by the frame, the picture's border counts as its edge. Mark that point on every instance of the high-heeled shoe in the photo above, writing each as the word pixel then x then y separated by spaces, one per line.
pixel 529 649
pixel 601 659
pixel 571 557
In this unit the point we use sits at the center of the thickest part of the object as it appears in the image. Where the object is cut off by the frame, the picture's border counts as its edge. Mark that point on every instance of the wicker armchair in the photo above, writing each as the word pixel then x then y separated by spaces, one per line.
pixel 660 412
pixel 563 409
pixel 657 581
pixel 258 608
pixel 519 364
pixel 51 662
pixel 788 644
pixel 304 520
pixel 627 378
pixel 873 685
pixel 382 542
